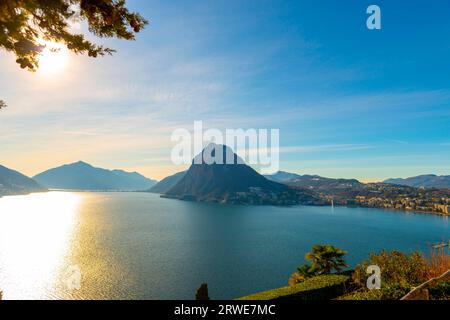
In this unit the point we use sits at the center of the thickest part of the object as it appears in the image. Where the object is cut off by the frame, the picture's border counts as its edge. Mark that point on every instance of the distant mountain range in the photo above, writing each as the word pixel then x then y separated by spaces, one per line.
pixel 83 176
pixel 13 183
pixel 321 184
pixel 425 181
pixel 231 182
pixel 315 182
pixel 165 184
pixel 217 182
pixel 398 194
pixel 282 176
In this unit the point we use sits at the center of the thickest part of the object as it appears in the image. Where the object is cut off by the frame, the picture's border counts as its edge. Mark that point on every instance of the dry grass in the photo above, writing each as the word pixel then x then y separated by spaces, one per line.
pixel 437 263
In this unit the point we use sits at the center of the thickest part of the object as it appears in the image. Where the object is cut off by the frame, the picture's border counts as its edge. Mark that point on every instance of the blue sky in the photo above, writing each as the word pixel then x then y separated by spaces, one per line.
pixel 349 102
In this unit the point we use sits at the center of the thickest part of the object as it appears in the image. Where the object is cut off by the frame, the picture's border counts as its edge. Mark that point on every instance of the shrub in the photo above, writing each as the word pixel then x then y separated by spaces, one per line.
pixel 401 272
pixel 202 292
pixel 295 278
pixel 397 269
pixel 388 292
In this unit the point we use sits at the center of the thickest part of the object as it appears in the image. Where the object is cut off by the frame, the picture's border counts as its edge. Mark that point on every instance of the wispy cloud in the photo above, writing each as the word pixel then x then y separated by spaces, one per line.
pixel 397 141
pixel 325 148
pixel 80 133
pixel 231 66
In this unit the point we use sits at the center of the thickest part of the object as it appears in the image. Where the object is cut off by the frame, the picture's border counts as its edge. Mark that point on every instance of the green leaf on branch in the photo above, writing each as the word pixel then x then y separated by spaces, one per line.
pixel 24 25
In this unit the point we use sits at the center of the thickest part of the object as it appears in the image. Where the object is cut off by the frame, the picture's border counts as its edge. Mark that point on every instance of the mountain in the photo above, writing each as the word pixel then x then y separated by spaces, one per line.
pixel 168 182
pixel 136 181
pixel 324 185
pixel 425 181
pixel 13 182
pixel 83 176
pixel 211 179
pixel 282 176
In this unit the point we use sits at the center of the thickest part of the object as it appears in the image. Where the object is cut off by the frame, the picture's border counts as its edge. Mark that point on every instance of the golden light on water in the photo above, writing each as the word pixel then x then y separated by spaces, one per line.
pixel 35 238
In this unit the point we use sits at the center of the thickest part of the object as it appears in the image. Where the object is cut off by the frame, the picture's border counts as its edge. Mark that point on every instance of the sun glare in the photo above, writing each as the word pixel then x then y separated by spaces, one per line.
pixel 53 58
pixel 35 236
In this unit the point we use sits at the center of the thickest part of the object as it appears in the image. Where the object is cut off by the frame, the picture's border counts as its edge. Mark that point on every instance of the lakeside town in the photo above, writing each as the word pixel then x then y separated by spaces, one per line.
pixel 395 197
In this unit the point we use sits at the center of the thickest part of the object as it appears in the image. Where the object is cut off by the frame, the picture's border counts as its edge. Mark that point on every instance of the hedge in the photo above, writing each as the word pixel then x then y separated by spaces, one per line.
pixel 323 287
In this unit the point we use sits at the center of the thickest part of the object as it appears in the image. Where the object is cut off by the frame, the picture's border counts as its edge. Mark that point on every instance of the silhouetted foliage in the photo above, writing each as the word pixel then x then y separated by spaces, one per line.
pixel 25 23
pixel 2 104
pixel 202 292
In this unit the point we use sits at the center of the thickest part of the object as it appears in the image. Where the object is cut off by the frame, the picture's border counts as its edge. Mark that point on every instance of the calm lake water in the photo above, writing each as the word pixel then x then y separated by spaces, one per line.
pixel 140 246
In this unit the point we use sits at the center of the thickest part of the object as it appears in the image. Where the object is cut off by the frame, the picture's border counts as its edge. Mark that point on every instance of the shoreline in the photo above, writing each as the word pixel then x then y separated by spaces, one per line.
pixel 397 210
pixel 259 205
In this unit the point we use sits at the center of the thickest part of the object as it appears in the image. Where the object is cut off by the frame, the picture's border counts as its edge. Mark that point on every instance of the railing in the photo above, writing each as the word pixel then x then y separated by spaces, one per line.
pixel 421 292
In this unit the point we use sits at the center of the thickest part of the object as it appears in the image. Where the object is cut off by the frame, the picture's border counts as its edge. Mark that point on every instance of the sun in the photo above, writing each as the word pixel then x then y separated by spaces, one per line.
pixel 53 59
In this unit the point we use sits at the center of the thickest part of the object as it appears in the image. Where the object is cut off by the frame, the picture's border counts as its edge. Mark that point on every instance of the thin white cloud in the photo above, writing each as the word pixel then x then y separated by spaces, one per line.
pixel 80 133
pixel 325 148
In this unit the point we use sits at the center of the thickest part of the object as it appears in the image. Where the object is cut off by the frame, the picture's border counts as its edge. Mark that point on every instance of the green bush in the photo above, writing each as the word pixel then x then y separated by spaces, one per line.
pixel 323 287
pixel 440 291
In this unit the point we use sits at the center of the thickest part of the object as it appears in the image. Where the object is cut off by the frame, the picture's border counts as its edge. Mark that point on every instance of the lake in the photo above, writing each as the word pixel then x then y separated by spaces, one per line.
pixel 141 246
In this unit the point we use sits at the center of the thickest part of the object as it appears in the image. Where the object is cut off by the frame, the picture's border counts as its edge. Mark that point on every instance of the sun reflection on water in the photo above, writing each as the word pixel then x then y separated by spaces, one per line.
pixel 35 238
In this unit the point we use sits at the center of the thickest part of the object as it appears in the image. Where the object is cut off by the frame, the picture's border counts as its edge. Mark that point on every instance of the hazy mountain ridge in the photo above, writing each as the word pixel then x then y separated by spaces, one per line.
pixel 425 181
pixel 168 182
pixel 83 176
pixel 14 183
